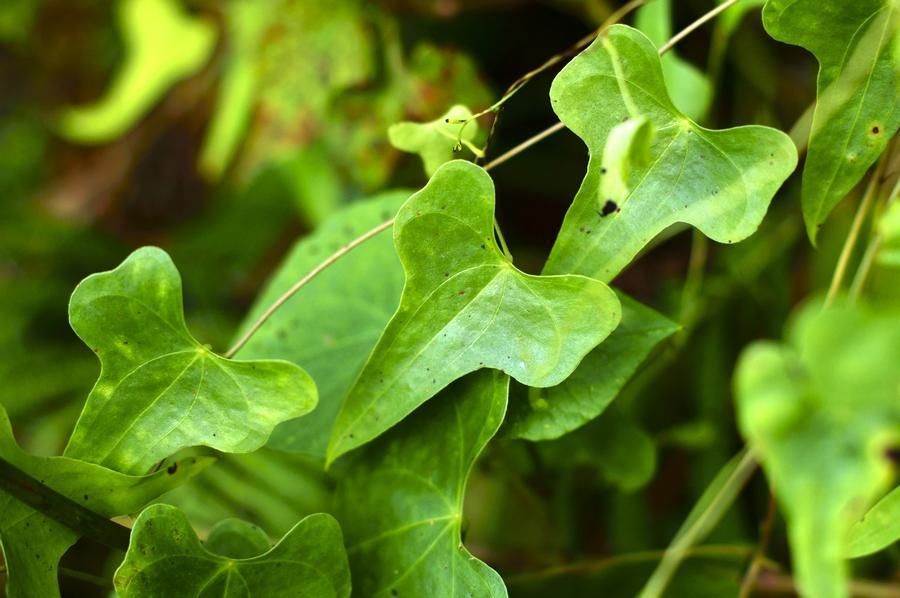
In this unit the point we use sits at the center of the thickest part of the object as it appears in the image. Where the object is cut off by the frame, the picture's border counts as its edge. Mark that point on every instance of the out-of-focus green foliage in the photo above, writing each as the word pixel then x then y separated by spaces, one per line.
pixel 437 141
pixel 163 45
pixel 823 412
pixel 253 140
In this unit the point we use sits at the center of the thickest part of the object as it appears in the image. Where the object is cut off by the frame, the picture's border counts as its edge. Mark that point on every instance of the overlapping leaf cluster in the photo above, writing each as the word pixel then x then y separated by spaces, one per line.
pixel 413 341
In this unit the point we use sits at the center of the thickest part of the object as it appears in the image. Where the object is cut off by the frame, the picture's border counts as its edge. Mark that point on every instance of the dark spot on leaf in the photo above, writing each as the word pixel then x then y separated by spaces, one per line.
pixel 86 497
pixel 434 380
pixel 172 468
pixel 446 274
pixel 608 208
pixel 893 454
pixel 603 170
pixel 394 592
pixel 462 293
pixel 482 246
pixel 876 130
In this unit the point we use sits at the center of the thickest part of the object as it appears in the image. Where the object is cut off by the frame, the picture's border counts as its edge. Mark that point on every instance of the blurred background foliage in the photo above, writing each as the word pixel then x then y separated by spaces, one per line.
pixel 223 131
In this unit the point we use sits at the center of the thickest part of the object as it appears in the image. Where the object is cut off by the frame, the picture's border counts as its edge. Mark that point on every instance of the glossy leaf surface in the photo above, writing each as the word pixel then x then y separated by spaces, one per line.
pixel 400 499
pixel 159 389
pixel 823 413
pixel 331 326
pixel 465 307
pixel 718 181
pixel 33 543
pixel 859 83
pixel 166 558
pixel 552 412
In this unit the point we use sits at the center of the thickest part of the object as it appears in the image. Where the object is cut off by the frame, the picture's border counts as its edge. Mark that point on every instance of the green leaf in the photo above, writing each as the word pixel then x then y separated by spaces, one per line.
pixel 879 528
pixel 163 45
pixel 822 413
pixel 33 543
pixel 856 113
pixel 690 89
pixel 552 412
pixel 612 444
pixel 465 307
pixel 165 558
pixel 331 327
pixel 159 389
pixel 889 231
pixel 400 499
pixel 437 141
pixel 718 181
pixel 237 539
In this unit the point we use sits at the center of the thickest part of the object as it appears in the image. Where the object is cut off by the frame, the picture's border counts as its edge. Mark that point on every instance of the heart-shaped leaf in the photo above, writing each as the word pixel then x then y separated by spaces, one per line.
pixel 822 414
pixel 465 307
pixel 859 83
pixel 33 542
pixel 166 558
pixel 330 329
pixel 163 45
pixel 159 389
pixel 437 141
pixel 400 499
pixel 718 181
pixel 552 412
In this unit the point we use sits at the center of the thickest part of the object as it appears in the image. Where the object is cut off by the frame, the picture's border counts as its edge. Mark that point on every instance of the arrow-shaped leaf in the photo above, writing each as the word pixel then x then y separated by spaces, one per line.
pixel 718 181
pixel 465 307
pixel 33 542
pixel 859 83
pixel 822 414
pixel 400 500
pixel 159 389
pixel 437 141
pixel 166 558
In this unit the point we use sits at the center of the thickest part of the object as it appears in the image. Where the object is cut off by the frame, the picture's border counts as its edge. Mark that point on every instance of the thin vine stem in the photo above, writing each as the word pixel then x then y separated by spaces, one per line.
pixel 696 25
pixel 304 281
pixel 759 555
pixel 702 524
pixel 862 212
pixel 868 259
pixel 519 83
pixel 489 166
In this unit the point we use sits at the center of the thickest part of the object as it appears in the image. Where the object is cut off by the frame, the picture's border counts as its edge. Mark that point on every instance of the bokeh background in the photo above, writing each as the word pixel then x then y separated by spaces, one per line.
pixel 228 133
